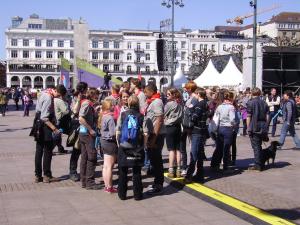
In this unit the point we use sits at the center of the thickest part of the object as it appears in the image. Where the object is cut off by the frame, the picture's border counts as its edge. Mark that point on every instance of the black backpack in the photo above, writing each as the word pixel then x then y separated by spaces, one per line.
pixel 187 118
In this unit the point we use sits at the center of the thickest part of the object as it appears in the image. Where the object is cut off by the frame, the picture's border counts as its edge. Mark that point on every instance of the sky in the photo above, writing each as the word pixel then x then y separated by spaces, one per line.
pixel 138 14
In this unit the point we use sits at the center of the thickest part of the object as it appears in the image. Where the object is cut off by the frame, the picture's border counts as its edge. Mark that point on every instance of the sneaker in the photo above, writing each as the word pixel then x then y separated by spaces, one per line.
pixel 50 179
pixel 38 179
pixel 255 168
pixel 74 177
pixel 155 189
pixel 94 187
pixel 171 175
pixel 183 173
pixel 178 173
pixel 110 190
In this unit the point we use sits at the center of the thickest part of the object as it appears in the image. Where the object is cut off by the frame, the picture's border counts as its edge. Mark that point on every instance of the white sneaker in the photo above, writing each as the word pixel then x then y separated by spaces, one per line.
pixel 183 173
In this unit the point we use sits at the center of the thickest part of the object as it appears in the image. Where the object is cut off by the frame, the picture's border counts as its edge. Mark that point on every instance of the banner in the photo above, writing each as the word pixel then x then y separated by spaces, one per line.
pixel 90 74
pixel 65 72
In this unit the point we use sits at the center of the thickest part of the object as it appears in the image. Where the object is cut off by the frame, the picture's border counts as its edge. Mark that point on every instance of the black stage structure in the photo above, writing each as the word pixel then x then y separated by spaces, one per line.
pixel 281 68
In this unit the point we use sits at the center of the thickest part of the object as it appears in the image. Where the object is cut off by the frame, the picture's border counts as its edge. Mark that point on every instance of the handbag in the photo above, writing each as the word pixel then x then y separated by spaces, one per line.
pixel 73 138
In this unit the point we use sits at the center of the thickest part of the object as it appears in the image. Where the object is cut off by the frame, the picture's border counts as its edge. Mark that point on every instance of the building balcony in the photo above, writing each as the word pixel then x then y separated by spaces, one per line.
pixel 33 70
pixel 142 72
pixel 107 60
pixel 139 61
pixel 139 50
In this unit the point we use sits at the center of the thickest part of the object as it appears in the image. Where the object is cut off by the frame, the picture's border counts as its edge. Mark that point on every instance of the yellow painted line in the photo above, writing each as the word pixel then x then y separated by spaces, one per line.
pixel 235 203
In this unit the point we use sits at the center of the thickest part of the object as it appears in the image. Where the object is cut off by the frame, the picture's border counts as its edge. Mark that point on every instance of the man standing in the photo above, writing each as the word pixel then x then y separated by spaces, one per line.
pixel 257 117
pixel 46 141
pixel 273 102
pixel 154 135
pixel 289 119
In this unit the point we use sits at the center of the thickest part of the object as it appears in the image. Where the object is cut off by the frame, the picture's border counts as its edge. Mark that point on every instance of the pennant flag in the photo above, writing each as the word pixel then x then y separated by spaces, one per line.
pixel 65 72
pixel 90 74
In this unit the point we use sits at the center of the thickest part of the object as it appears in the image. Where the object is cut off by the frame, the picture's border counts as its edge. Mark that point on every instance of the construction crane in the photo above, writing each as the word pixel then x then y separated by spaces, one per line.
pixel 239 20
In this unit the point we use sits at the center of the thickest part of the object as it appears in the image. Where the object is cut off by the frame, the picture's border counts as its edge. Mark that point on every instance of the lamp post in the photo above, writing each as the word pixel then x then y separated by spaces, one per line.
pixel 169 4
pixel 254 5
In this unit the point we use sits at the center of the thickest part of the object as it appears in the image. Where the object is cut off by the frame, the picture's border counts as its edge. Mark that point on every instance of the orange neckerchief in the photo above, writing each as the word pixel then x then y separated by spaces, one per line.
pixel 154 96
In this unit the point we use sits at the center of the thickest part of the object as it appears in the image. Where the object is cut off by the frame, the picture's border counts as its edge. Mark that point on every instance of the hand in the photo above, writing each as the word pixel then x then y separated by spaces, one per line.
pixel 92 133
pixel 56 131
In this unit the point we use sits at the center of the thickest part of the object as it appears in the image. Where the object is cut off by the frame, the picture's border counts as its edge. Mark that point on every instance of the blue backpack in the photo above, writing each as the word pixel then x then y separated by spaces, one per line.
pixel 130 132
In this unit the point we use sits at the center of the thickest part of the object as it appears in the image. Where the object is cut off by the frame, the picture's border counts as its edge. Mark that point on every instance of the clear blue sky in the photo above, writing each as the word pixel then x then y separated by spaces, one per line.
pixel 139 14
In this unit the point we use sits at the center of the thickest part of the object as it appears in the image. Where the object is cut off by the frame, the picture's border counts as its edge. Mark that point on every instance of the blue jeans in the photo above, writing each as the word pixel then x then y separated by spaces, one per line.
pixel 274 121
pixel 224 142
pixel 197 152
pixel 289 128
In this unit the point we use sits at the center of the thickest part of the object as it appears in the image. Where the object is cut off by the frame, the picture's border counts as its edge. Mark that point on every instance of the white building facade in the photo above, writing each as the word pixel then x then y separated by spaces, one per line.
pixel 34 46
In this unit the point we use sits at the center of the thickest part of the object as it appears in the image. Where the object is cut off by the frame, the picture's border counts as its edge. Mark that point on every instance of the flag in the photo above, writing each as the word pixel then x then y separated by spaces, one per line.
pixel 65 72
pixel 90 74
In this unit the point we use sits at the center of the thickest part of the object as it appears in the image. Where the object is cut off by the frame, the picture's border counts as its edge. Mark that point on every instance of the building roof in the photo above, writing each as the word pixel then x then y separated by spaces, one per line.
pixel 227 28
pixel 286 17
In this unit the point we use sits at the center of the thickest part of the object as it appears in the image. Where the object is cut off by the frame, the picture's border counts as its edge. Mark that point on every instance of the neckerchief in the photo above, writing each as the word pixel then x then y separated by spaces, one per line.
pixel 154 96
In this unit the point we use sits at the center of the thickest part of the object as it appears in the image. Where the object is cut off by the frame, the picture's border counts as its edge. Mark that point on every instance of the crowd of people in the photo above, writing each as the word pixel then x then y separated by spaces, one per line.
pixel 130 124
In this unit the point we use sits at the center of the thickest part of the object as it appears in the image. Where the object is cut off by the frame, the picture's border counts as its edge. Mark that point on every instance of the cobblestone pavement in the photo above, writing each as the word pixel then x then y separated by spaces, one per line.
pixel 65 202
pixel 23 202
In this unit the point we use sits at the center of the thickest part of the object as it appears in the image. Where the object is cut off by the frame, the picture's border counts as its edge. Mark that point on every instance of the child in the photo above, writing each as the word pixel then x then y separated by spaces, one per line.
pixel 131 151
pixel 108 143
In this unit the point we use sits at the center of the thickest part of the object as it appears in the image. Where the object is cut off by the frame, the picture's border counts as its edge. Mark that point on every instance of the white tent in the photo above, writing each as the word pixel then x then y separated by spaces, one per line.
pixel 179 78
pixel 209 77
pixel 231 76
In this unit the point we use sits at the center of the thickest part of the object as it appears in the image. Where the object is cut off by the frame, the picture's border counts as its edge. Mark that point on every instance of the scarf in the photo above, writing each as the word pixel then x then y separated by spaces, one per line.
pixel 154 96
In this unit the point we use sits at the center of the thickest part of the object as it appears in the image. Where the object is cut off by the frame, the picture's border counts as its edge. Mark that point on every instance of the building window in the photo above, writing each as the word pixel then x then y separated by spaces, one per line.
pixel 105 44
pixel 129 68
pixel 116 67
pixel 60 54
pixel 71 55
pixel 213 47
pixel 129 56
pixel 14 54
pixel 205 47
pixel 71 43
pixel 105 55
pixel 284 33
pixel 38 54
pixel 60 43
pixel 105 67
pixel 138 57
pixel 201 47
pixel 182 67
pixel 224 47
pixel 94 55
pixel 193 46
pixel 147 45
pixel 138 69
pixel 147 57
pixel 129 45
pixel 49 54
pixel 94 44
pixel 138 45
pixel 34 26
pixel 14 42
pixel 25 54
pixel 183 43
pixel 38 43
pixel 293 35
pixel 116 44
pixel 116 56
pixel 49 43
pixel 25 42
pixel 147 68
pixel 183 55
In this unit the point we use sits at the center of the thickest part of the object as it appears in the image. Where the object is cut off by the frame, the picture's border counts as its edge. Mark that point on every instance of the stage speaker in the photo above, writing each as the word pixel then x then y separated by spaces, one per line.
pixel 160 46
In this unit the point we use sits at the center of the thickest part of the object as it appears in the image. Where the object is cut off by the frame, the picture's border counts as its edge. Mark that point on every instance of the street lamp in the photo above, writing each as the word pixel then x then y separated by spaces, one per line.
pixel 254 5
pixel 169 4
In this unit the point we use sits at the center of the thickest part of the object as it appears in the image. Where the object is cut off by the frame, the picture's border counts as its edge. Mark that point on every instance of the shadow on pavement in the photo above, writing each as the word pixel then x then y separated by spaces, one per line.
pixel 290 214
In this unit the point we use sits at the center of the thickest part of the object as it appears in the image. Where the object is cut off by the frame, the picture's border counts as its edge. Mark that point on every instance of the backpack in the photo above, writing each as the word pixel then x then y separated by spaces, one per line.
pixel 130 131
pixel 187 118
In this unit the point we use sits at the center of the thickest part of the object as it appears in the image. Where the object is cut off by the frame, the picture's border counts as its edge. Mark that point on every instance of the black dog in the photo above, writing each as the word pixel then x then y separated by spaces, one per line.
pixel 269 153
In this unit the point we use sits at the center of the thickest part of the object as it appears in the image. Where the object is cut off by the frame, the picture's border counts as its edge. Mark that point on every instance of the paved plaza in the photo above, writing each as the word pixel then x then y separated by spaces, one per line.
pixel 23 202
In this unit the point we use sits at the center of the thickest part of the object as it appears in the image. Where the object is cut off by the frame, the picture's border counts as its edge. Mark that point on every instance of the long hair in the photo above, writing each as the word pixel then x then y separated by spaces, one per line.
pixel 106 106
